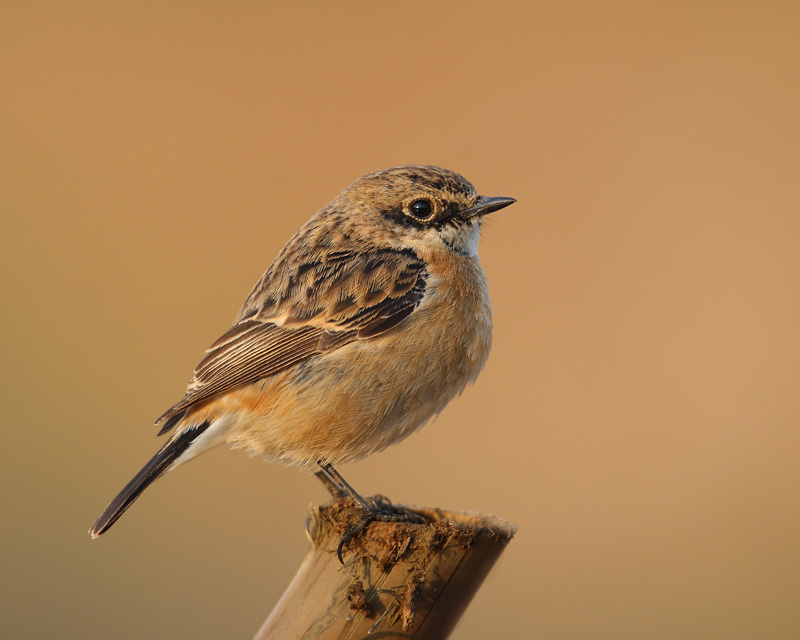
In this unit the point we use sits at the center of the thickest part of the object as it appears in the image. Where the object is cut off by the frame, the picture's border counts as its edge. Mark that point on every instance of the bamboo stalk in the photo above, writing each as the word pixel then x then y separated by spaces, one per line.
pixel 399 580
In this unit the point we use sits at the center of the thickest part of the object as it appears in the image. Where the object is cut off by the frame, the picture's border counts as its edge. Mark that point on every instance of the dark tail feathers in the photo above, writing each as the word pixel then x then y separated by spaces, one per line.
pixel 154 469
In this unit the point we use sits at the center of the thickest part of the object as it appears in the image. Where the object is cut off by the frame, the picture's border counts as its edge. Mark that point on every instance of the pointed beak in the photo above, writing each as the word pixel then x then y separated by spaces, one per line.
pixel 486 204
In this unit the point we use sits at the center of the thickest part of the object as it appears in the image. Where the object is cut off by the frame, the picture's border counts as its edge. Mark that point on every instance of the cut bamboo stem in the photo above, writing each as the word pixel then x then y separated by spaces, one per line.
pixel 399 580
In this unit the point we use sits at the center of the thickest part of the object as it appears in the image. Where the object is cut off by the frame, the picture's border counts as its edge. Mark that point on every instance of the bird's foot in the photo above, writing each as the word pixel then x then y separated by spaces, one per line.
pixel 378 509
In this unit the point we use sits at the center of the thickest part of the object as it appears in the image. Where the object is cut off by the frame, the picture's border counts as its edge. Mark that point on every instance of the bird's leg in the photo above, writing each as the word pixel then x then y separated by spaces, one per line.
pixel 381 508
pixel 330 484
pixel 338 486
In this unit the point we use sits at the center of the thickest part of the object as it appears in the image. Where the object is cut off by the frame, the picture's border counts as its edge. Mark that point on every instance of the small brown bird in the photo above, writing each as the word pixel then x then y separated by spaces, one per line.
pixel 371 319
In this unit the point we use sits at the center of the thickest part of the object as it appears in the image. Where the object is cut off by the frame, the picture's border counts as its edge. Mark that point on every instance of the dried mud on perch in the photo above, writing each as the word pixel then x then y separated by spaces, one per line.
pixel 399 580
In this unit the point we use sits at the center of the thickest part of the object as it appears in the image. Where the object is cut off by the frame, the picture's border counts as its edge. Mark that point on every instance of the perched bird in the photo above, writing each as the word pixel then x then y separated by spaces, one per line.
pixel 371 319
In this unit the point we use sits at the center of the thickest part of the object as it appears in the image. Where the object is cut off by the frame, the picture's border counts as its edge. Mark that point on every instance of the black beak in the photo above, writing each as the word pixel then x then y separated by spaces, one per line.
pixel 486 205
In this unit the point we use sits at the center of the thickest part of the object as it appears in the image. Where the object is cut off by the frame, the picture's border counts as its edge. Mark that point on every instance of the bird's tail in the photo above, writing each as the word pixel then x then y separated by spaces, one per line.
pixel 158 466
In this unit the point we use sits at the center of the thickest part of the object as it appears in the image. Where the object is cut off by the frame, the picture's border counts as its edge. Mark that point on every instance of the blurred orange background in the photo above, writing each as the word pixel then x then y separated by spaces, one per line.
pixel 638 417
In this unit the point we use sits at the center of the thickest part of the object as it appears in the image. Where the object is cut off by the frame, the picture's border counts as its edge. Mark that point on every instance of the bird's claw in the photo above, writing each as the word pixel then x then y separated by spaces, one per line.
pixel 382 511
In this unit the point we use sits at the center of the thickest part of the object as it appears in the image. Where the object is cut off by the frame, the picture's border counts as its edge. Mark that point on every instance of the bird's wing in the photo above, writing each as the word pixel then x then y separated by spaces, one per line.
pixel 296 313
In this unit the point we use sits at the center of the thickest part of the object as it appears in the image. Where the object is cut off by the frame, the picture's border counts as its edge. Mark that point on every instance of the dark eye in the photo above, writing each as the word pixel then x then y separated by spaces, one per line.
pixel 421 209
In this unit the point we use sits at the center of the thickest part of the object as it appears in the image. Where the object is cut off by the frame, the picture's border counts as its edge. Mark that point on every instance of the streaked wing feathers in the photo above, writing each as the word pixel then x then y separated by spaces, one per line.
pixel 294 314
pixel 247 352
pixel 335 289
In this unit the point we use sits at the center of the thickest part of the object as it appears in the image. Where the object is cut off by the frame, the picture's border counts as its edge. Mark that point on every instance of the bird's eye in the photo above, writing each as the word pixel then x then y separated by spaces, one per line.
pixel 421 209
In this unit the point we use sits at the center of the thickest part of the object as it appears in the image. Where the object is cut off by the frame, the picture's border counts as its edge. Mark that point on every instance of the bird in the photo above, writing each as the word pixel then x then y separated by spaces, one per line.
pixel 370 320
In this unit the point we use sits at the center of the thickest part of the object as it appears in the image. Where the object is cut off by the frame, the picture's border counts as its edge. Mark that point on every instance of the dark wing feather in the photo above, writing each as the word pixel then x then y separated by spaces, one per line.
pixel 337 289
pixel 318 306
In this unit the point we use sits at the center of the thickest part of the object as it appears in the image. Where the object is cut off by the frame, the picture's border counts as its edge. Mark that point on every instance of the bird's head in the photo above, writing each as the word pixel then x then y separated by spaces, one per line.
pixel 416 206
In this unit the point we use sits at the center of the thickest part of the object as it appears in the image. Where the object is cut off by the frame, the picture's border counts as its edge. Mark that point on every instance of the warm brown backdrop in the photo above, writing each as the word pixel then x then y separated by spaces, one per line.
pixel 638 418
